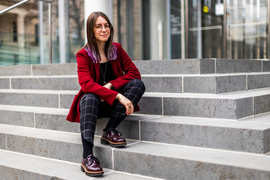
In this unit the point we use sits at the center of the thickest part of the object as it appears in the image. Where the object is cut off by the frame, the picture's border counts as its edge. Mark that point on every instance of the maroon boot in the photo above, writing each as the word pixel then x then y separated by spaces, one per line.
pixel 112 137
pixel 91 167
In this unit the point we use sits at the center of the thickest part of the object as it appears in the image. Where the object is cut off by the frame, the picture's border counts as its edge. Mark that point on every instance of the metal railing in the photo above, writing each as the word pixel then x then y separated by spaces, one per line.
pixel 49 20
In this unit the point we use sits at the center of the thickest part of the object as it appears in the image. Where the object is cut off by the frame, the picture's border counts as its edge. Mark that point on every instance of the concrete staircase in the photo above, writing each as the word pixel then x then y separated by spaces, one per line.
pixel 201 119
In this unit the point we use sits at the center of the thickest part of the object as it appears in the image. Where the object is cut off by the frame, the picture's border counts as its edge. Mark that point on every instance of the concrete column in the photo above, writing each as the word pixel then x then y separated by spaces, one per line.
pixel 105 6
pixel 62 31
pixel 21 30
pixel 157 14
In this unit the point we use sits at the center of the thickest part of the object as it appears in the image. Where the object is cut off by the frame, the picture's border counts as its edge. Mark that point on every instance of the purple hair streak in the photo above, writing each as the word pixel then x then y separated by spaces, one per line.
pixel 111 54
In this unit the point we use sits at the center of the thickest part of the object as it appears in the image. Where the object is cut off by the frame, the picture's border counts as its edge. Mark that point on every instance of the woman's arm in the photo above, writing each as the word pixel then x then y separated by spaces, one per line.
pixel 129 68
pixel 122 99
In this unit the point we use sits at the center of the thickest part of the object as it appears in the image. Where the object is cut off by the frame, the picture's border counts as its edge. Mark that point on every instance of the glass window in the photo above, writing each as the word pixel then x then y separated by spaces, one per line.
pixel 247 29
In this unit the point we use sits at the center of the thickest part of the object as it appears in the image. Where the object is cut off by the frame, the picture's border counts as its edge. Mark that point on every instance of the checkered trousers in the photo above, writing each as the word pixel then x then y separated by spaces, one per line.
pixel 91 108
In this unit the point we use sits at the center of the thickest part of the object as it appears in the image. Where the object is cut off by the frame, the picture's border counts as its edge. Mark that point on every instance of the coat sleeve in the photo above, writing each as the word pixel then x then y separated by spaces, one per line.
pixel 129 68
pixel 88 85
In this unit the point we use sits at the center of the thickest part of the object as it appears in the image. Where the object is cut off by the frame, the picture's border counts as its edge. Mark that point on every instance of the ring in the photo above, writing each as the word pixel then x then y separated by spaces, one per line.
pixel 129 107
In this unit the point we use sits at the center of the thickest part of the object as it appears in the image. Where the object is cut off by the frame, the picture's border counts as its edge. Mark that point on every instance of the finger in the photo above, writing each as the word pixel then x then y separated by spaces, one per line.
pixel 127 109
pixel 130 109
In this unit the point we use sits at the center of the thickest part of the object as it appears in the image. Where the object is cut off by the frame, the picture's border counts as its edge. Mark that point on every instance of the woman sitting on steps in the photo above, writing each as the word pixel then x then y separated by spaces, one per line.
pixel 111 87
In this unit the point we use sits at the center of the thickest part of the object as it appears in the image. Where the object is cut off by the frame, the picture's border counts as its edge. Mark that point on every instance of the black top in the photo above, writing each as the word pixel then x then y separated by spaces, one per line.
pixel 109 75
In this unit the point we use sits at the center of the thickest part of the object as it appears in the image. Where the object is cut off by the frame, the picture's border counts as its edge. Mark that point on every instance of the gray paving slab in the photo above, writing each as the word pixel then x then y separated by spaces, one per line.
pixel 29 109
pixel 151 105
pixel 18 70
pixel 264 118
pixel 39 100
pixel 214 84
pixel 258 81
pixel 182 162
pixel 55 69
pixel 46 83
pixel 176 66
pixel 3 141
pixel 13 173
pixel 266 66
pixel 261 104
pixel 66 100
pixel 241 65
pixel 163 84
pixel 17 118
pixel 210 108
pixel 4 83
pixel 113 175
pixel 55 122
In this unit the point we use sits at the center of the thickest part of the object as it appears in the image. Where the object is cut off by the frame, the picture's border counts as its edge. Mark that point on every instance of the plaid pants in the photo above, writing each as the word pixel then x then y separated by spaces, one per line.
pixel 91 108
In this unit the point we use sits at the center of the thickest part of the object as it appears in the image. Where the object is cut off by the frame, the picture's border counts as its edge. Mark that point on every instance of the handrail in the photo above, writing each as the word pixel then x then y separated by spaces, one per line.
pixel 12 7
pixel 49 21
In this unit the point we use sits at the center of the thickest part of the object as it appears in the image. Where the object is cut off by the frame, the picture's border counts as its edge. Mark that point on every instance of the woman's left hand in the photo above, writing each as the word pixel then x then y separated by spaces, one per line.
pixel 108 86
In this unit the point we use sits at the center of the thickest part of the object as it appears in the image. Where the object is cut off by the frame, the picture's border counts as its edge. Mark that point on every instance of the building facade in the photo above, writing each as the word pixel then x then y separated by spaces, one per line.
pixel 147 29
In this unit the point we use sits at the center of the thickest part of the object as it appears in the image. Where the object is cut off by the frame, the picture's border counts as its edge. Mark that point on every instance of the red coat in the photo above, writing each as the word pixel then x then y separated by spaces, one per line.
pixel 88 74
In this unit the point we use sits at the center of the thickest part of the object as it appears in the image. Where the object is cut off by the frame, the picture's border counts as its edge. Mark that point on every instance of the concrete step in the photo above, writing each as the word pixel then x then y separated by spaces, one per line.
pixel 209 84
pixel 226 106
pixel 170 83
pixel 246 136
pixel 148 159
pixel 173 66
pixel 265 118
pixel 13 166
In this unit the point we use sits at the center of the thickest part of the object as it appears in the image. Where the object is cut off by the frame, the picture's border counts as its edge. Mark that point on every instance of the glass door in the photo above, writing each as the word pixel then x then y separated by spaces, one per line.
pixel 205 28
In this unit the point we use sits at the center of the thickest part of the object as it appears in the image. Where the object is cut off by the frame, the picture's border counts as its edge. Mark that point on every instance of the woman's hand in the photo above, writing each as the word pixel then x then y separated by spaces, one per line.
pixel 108 86
pixel 126 102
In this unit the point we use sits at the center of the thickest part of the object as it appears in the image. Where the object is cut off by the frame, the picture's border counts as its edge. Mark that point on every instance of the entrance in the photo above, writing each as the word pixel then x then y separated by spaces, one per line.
pixel 205 28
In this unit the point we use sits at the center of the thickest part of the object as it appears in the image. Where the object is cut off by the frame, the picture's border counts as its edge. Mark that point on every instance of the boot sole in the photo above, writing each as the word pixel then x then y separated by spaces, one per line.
pixel 92 174
pixel 112 144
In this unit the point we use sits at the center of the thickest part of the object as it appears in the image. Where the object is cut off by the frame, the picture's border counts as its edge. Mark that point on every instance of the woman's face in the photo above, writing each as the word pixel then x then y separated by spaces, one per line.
pixel 102 29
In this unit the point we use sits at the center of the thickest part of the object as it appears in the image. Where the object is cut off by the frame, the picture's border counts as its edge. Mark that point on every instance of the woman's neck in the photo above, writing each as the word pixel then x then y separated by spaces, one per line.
pixel 101 48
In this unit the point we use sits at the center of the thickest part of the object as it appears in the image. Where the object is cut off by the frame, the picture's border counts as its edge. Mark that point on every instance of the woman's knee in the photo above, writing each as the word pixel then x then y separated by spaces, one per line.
pixel 89 98
pixel 137 83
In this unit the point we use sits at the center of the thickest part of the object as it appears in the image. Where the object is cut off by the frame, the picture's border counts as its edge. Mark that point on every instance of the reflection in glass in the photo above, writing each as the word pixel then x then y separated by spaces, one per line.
pixel 247 29
pixel 205 26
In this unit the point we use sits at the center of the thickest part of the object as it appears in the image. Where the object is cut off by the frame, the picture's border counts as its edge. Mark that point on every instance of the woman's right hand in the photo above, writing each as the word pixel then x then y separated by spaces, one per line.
pixel 126 102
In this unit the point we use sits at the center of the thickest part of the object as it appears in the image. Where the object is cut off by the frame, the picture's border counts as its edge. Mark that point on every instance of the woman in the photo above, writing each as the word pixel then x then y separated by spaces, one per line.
pixel 110 87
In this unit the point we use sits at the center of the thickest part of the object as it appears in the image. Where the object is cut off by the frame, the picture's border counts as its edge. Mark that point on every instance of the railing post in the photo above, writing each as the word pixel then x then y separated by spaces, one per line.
pixel 268 27
pixel 225 29
pixel 50 30
pixel 186 29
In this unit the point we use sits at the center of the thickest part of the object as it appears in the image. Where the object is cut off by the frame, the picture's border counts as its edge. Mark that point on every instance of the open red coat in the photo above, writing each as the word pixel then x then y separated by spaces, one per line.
pixel 89 73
